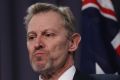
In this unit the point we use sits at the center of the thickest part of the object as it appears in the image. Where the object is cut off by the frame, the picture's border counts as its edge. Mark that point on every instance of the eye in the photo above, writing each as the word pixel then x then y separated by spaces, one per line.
pixel 31 35
pixel 29 38
pixel 49 34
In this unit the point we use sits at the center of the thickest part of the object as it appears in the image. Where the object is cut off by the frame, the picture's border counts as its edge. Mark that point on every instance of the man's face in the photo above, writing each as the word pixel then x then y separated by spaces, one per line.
pixel 47 42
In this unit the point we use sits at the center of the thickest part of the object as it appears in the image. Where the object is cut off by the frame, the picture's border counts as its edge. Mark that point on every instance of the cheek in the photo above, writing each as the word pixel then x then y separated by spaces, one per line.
pixel 30 49
pixel 58 48
pixel 58 53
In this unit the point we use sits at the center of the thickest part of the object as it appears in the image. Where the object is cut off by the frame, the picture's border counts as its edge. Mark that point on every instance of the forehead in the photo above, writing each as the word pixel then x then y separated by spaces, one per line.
pixel 46 20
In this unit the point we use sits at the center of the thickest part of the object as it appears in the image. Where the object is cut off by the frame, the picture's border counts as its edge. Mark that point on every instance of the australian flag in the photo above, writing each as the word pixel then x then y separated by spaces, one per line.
pixel 100 45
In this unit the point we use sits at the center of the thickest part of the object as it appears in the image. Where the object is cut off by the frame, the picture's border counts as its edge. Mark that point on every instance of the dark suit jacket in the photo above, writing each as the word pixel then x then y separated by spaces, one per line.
pixel 79 76
pixel 105 77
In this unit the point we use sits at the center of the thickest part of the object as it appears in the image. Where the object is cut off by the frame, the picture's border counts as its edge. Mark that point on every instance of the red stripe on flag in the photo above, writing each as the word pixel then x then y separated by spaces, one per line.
pixel 102 9
pixel 118 50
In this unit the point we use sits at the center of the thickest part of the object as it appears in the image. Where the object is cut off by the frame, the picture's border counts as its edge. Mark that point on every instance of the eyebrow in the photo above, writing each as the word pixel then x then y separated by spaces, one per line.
pixel 46 30
pixel 49 30
pixel 31 32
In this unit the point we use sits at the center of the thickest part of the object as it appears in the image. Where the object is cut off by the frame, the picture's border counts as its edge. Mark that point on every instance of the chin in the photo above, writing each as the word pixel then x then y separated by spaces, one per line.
pixel 37 68
pixel 42 69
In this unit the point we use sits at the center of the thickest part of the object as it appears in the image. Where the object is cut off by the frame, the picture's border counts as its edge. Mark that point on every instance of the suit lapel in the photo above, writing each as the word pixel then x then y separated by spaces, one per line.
pixel 79 76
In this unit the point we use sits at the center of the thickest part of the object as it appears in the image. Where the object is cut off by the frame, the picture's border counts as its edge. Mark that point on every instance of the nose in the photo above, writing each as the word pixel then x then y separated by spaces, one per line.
pixel 39 44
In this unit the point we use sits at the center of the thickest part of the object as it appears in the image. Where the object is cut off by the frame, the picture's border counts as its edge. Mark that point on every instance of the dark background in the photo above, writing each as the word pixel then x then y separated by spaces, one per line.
pixel 14 62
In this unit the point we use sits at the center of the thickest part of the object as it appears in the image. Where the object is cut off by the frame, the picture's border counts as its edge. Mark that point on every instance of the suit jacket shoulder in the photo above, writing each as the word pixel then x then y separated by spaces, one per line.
pixel 79 76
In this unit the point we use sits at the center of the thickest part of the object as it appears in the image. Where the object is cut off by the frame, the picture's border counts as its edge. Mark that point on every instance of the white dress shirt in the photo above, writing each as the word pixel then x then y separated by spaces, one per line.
pixel 67 75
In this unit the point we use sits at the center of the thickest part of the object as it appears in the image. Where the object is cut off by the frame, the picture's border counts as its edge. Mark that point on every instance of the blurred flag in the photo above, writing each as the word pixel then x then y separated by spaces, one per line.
pixel 116 43
pixel 100 51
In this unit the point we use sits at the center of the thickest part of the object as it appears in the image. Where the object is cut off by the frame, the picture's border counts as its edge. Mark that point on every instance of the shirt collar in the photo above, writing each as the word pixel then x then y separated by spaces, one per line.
pixel 68 74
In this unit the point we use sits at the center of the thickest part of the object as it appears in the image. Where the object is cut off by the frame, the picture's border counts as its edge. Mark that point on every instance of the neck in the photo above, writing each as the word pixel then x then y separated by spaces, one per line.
pixel 59 71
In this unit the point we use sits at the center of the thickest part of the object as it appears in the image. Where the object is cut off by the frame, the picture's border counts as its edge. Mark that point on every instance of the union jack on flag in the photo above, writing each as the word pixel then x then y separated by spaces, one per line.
pixel 100 38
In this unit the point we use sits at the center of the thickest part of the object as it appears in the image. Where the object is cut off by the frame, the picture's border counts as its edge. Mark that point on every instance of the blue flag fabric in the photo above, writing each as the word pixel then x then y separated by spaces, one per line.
pixel 99 53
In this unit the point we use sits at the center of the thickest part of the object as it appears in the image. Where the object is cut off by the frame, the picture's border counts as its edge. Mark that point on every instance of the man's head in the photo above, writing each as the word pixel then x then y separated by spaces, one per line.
pixel 51 38
pixel 64 12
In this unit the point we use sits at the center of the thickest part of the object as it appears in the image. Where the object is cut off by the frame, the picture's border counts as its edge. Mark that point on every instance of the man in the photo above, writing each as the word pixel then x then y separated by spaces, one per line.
pixel 52 42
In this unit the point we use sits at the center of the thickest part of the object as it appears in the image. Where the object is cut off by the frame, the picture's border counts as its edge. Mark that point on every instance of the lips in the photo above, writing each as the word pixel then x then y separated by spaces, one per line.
pixel 39 53
pixel 38 56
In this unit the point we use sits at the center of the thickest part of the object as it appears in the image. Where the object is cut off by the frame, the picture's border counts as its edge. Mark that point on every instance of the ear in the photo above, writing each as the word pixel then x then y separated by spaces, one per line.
pixel 74 42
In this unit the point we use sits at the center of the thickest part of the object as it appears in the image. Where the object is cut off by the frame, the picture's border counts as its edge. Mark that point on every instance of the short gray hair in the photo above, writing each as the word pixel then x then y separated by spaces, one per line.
pixel 65 12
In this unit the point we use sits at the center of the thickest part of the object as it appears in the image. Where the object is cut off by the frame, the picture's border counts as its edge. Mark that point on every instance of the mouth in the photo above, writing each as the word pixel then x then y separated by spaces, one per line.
pixel 38 57
pixel 38 53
